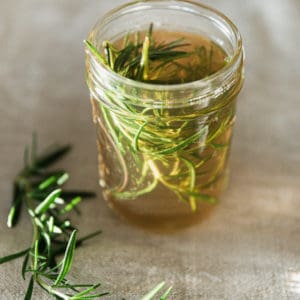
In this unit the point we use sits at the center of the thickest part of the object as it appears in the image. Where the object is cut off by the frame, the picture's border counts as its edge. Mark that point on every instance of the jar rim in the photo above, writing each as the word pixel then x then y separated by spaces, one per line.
pixel 234 58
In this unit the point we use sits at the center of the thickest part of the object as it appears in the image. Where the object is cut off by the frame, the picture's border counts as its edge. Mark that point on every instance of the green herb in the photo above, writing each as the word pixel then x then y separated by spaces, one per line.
pixel 183 151
pixel 39 189
pixel 155 290
pixel 53 235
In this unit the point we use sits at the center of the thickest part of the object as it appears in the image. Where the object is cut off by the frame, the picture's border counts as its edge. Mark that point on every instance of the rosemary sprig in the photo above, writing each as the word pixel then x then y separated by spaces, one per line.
pixel 40 190
pixel 184 152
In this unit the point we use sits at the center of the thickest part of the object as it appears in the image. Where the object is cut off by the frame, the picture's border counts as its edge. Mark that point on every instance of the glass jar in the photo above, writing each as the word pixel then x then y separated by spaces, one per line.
pixel 163 149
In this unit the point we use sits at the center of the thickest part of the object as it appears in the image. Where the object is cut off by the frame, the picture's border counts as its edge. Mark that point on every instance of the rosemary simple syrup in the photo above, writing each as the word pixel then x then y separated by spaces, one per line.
pixel 172 188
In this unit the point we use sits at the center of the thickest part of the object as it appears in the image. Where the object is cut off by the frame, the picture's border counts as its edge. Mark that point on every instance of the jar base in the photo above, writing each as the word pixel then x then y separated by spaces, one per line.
pixel 163 212
pixel 162 224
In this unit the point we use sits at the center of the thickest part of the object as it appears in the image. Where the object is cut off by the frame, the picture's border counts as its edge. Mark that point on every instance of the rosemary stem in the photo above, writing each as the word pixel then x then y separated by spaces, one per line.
pixel 49 289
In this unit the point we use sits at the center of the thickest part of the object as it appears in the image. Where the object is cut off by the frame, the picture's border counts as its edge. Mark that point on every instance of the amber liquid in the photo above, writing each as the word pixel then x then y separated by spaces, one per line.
pixel 161 209
pixel 206 58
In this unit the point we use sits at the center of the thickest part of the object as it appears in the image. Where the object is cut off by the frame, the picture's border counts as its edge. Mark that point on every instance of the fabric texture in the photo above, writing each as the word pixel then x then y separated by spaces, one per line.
pixel 248 247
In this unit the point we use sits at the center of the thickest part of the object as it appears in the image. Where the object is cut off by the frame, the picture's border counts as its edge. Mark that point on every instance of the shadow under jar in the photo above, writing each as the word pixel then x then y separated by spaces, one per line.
pixel 163 143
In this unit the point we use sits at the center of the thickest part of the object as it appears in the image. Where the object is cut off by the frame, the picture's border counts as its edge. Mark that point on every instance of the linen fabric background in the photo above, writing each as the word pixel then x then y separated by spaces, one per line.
pixel 249 247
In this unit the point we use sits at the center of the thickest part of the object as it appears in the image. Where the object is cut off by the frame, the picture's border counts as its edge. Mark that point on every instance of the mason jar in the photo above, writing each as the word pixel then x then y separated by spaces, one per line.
pixel 163 149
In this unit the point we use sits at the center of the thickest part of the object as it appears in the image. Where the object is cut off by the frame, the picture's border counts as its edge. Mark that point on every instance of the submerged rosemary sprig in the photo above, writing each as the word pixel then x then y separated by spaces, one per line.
pixel 47 204
pixel 183 151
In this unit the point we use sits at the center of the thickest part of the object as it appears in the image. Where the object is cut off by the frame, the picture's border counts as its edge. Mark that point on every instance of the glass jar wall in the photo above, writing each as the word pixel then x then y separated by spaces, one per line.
pixel 163 148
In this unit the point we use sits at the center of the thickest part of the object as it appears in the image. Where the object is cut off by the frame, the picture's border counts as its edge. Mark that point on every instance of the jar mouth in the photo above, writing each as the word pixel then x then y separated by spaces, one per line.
pixel 223 76
pixel 204 81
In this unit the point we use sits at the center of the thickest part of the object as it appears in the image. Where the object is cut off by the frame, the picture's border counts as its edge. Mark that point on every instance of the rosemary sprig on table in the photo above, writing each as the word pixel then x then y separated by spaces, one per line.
pixel 47 204
pixel 169 147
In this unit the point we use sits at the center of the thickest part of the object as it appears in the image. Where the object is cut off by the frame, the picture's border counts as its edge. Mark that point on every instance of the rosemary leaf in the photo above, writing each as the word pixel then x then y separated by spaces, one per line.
pixel 24 265
pixel 15 210
pixel 185 143
pixel 87 237
pixel 166 294
pixel 94 51
pixel 154 291
pixel 87 291
pixel 29 289
pixel 46 183
pixel 42 207
pixel 51 156
pixel 63 178
pixel 13 256
pixel 71 205
pixel 136 138
pixel 67 261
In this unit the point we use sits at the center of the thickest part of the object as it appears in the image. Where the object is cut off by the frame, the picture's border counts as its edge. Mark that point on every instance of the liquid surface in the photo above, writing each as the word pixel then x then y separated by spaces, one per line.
pixel 203 56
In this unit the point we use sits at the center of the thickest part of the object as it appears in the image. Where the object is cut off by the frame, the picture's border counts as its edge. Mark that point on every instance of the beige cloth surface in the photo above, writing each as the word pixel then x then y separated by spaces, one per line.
pixel 249 247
